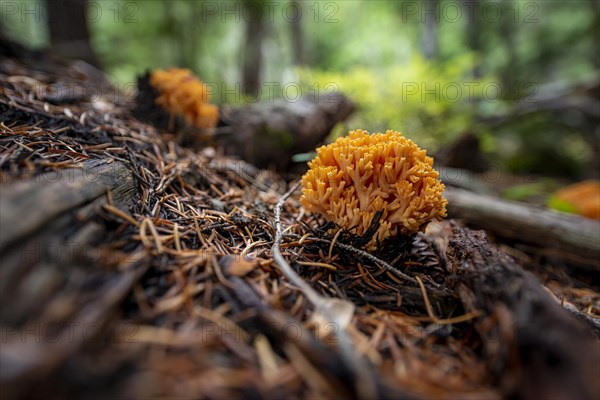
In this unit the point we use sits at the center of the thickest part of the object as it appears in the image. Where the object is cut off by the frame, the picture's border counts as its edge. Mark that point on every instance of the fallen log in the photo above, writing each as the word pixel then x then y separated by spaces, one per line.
pixel 268 134
pixel 47 230
pixel 30 205
pixel 54 301
pixel 533 347
pixel 570 237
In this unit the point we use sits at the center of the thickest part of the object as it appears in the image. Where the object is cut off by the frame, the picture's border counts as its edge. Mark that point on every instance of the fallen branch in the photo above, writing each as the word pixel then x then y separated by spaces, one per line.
pixel 570 237
pixel 327 310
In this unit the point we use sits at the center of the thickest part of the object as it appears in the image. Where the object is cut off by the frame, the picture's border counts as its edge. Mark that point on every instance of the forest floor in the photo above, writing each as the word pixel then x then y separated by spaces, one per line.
pixel 133 267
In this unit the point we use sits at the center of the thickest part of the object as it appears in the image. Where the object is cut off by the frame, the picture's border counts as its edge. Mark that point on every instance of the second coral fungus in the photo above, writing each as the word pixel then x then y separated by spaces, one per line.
pixel 184 95
pixel 353 178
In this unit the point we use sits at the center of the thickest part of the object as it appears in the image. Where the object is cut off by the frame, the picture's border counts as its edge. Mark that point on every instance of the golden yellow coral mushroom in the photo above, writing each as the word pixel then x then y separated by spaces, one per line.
pixel 184 95
pixel 358 175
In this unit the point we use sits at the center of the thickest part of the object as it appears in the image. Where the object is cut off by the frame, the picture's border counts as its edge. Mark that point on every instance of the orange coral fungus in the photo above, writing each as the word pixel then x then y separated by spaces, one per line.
pixel 583 197
pixel 184 95
pixel 352 179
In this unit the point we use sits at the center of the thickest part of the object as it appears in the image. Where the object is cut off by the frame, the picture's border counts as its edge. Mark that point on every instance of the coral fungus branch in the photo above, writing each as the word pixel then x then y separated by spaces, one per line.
pixel 357 176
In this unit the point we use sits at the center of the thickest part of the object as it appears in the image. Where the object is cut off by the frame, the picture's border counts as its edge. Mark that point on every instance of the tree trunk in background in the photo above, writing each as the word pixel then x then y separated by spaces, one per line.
pixel 595 28
pixel 473 34
pixel 507 31
pixel 183 28
pixel 177 33
pixel 168 27
pixel 429 38
pixel 69 33
pixel 297 34
pixel 191 38
pixel 253 14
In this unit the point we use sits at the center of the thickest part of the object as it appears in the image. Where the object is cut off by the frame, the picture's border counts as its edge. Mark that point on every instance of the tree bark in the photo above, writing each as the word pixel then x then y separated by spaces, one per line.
pixel 429 35
pixel 69 33
pixel 29 206
pixel 297 34
pixel 50 240
pixel 44 222
pixel 534 348
pixel 255 30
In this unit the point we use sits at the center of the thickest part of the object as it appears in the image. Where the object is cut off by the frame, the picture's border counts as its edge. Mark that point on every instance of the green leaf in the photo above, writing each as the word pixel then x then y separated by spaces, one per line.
pixel 559 204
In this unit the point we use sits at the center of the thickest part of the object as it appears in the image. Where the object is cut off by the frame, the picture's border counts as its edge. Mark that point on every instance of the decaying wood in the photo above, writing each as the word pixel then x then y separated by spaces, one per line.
pixel 48 239
pixel 30 205
pixel 268 134
pixel 53 338
pixel 573 238
pixel 534 347
pixel 48 228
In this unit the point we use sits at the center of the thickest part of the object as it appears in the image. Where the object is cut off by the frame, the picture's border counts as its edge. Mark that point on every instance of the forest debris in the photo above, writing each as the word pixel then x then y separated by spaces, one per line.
pixel 24 360
pixel 454 320
pixel 237 265
pixel 570 237
pixel 317 264
pixel 268 134
pixel 541 349
pixel 327 310
pixel 593 322
pixel 29 205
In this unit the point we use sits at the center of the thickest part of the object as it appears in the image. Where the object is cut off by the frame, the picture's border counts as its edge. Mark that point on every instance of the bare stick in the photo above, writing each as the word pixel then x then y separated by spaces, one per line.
pixel 326 307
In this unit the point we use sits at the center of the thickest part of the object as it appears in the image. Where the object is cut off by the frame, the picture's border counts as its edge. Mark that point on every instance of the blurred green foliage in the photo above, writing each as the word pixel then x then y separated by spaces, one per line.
pixel 561 205
pixel 531 191
pixel 432 102
pixel 503 55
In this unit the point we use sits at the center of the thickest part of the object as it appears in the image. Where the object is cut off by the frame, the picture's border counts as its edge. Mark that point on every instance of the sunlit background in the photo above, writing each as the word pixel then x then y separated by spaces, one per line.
pixel 521 76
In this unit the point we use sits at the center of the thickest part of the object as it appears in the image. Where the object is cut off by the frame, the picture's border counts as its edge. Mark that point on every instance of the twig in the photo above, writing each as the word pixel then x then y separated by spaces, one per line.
pixel 325 307
pixel 317 264
pixel 364 254
pixel 446 321
pixel 283 265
